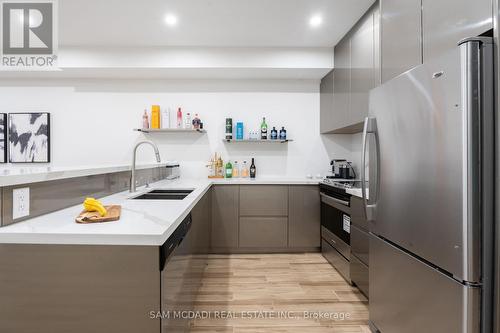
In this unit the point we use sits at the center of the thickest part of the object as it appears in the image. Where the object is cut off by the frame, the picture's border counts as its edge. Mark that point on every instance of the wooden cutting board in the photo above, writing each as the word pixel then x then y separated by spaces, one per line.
pixel 113 214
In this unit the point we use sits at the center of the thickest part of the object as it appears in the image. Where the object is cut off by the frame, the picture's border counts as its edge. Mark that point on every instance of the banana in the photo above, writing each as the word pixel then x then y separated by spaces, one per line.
pixel 93 205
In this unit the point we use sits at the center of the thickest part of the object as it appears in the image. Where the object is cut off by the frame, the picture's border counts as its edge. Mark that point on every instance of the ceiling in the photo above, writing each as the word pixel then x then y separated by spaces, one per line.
pixel 224 23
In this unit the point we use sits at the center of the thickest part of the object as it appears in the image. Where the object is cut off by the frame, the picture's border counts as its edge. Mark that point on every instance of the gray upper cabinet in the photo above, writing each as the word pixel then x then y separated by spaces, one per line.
pixel 341 84
pixel 355 73
pixel 446 22
pixel 225 216
pixel 401 35
pixel 362 68
pixel 326 102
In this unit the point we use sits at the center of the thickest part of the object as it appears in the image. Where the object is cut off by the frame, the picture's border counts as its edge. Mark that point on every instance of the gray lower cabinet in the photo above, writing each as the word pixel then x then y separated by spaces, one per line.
pixel 445 22
pixel 401 36
pixel 360 275
pixel 79 288
pixel 263 232
pixel 360 245
pixel 304 225
pixel 200 232
pixel 225 214
pixel 263 200
pixel 256 218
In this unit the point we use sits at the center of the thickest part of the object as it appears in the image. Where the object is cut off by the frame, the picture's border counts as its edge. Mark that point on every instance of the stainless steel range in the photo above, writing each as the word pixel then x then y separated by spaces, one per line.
pixel 336 223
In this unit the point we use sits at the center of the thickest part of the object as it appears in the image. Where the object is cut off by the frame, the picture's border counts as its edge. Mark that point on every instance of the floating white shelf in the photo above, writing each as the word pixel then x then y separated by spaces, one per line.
pixel 169 130
pixel 256 141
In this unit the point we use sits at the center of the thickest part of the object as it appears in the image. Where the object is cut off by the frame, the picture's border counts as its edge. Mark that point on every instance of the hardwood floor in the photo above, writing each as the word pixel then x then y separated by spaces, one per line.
pixel 270 293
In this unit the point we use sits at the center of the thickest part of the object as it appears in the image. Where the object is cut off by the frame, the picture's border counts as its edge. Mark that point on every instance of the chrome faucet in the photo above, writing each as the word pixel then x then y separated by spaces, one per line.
pixel 158 159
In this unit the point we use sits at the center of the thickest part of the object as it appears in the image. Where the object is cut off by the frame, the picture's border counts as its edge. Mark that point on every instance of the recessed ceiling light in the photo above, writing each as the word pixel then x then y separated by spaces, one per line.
pixel 171 19
pixel 315 21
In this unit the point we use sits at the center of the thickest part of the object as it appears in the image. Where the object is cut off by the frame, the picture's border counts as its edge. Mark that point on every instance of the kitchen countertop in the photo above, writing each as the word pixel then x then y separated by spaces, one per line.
pixel 143 222
pixel 16 175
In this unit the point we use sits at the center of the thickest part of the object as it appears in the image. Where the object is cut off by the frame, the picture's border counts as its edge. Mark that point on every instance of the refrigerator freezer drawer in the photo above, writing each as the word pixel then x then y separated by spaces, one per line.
pixel 360 275
pixel 407 295
pixel 336 259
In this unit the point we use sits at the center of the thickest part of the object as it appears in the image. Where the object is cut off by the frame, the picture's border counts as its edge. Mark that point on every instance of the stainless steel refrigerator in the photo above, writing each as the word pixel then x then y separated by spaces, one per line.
pixel 429 139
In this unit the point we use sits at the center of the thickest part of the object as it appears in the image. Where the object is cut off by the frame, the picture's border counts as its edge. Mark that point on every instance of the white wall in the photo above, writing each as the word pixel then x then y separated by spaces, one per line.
pixel 92 121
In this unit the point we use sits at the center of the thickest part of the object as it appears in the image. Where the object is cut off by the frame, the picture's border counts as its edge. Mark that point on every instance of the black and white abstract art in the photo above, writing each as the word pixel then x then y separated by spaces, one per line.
pixel 3 137
pixel 29 137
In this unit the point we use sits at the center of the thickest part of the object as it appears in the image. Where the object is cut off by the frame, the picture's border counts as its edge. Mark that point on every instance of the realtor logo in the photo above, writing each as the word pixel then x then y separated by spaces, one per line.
pixel 29 34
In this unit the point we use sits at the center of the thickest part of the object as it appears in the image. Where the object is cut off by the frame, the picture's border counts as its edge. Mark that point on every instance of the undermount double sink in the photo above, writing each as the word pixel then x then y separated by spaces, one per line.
pixel 164 194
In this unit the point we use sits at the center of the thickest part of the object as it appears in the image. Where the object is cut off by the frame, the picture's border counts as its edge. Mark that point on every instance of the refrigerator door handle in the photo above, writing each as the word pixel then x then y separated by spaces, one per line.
pixel 370 127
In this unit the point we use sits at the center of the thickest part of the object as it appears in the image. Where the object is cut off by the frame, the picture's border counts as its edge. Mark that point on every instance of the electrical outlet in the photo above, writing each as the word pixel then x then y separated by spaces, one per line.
pixel 20 202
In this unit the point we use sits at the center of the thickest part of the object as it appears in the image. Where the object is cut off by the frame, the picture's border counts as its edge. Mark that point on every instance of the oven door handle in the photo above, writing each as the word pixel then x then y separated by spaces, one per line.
pixel 328 199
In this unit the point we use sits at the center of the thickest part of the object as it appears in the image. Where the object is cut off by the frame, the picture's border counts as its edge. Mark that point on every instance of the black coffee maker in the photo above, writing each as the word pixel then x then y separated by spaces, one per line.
pixel 342 169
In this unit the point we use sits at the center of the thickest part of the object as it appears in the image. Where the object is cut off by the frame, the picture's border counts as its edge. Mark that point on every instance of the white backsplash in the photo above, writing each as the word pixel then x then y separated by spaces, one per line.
pixel 92 122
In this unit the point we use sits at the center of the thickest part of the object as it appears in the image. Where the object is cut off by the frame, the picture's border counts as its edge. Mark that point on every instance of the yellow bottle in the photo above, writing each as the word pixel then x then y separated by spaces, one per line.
pixel 155 116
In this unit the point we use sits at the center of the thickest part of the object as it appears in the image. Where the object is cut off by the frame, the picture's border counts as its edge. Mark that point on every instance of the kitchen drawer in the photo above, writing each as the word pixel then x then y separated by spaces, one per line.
pixel 360 244
pixel 336 242
pixel 358 213
pixel 263 232
pixel 359 275
pixel 337 260
pixel 263 200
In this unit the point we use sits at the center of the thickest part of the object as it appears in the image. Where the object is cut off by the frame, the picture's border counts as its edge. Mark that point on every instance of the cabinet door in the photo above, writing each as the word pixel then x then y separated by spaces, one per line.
pixel 362 68
pixel 225 216
pixel 446 22
pixel 342 83
pixel 304 216
pixel 326 103
pixel 263 232
pixel 263 200
pixel 401 36
pixel 201 225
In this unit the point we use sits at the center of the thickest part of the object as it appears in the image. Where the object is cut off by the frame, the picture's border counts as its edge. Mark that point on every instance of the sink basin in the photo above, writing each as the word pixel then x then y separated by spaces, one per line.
pixel 174 191
pixel 164 194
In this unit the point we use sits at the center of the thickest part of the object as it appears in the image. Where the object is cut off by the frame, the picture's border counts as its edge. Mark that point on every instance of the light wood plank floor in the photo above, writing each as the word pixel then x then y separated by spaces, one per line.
pixel 284 285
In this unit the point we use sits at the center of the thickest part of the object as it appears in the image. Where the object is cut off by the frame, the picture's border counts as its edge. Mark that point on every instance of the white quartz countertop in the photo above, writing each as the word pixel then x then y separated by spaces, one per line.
pixel 143 222
pixel 15 175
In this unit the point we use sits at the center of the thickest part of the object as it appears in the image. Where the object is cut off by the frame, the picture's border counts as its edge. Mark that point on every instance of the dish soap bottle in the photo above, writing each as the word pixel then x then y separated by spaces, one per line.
pixel 274 134
pixel 229 169
pixel 253 169
pixel 263 129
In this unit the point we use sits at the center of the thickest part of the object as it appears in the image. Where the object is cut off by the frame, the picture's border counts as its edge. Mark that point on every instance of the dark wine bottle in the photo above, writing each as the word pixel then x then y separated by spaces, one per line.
pixel 253 170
